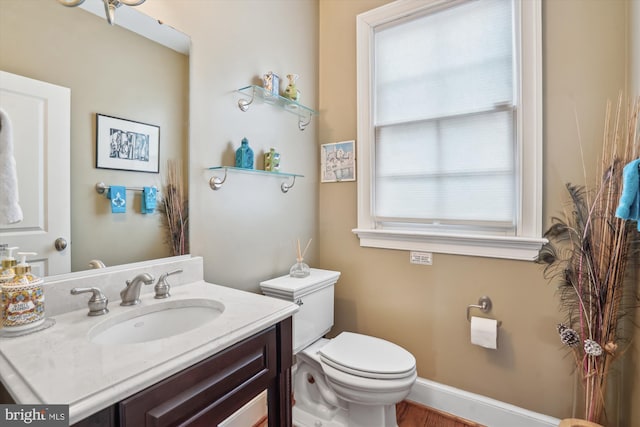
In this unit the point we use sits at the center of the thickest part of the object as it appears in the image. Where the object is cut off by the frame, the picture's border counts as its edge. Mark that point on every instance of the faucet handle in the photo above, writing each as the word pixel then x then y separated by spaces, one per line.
pixel 97 303
pixel 162 287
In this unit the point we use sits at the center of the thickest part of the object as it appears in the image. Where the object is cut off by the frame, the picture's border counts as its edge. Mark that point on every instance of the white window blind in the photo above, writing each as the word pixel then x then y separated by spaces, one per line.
pixel 444 118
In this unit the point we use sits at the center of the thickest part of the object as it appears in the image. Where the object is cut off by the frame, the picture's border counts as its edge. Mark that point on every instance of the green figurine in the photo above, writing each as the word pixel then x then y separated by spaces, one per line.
pixel 292 91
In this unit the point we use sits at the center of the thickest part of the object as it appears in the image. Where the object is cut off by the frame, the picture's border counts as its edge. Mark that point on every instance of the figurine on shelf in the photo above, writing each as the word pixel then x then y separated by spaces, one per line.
pixel 244 155
pixel 271 83
pixel 292 91
pixel 272 160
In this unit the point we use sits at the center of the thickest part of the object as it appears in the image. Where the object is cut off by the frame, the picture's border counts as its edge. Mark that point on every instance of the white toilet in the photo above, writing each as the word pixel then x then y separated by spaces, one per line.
pixel 352 380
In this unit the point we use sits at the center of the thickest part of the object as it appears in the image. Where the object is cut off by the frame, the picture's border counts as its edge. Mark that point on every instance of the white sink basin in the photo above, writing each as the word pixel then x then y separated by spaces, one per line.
pixel 154 322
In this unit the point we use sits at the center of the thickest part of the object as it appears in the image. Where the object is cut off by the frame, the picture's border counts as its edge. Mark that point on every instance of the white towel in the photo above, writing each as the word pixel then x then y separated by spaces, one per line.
pixel 10 211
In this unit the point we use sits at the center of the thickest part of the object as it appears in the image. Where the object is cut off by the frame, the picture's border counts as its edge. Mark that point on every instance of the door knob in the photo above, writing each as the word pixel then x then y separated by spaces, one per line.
pixel 60 244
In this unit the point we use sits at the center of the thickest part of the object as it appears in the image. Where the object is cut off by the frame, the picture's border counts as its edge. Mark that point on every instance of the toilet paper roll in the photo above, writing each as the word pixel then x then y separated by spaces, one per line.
pixel 484 332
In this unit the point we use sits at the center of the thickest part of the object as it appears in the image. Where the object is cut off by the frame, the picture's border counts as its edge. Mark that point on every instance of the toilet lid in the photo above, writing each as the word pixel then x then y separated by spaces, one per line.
pixel 367 356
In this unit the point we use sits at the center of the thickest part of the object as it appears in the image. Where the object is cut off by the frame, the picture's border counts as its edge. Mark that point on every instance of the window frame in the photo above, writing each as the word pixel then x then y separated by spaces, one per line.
pixel 527 241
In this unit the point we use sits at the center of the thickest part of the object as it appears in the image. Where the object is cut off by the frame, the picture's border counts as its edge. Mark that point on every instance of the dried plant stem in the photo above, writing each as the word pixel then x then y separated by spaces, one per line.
pixel 175 210
pixel 588 254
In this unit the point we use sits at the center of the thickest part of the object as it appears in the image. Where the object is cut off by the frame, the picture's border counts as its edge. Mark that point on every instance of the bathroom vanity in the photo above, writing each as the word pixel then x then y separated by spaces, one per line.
pixel 210 391
pixel 137 365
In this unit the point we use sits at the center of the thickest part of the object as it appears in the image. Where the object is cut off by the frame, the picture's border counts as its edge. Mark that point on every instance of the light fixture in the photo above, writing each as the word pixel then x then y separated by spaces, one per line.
pixel 109 6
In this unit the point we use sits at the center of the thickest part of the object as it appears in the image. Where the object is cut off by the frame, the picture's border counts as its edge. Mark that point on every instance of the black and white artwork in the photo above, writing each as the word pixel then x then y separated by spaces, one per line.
pixel 127 145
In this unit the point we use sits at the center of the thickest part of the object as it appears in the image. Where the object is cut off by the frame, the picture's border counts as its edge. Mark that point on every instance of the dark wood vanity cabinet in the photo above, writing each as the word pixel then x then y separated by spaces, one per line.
pixel 208 392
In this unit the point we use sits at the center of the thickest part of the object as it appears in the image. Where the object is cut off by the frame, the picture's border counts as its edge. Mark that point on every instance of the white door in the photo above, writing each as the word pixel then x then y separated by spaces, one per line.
pixel 40 116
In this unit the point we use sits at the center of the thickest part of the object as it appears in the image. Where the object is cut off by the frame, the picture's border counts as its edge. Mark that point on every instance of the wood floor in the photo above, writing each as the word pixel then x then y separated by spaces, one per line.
pixel 411 414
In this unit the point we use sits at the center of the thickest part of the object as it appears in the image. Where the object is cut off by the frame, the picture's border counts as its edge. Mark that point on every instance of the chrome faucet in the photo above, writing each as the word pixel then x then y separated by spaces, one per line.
pixel 131 294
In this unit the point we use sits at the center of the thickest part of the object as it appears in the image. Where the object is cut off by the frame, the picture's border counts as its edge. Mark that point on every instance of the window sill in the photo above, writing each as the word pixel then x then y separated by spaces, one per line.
pixel 508 247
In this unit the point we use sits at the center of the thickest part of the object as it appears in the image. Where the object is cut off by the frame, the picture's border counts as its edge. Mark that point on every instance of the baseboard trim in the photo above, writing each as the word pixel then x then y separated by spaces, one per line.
pixel 475 407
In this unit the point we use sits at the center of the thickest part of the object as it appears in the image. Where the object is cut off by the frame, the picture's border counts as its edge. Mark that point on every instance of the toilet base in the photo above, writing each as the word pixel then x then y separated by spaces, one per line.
pixel 302 418
pixel 356 416
pixel 368 416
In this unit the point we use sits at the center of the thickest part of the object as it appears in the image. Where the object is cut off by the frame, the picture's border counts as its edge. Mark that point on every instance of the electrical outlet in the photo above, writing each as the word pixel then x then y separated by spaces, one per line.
pixel 422 258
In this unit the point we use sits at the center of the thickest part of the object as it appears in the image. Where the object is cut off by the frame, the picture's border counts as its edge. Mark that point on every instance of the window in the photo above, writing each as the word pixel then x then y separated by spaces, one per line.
pixel 449 127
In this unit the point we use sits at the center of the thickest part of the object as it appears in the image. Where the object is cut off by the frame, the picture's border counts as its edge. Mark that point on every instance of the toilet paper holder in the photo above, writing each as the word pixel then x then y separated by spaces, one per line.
pixel 484 305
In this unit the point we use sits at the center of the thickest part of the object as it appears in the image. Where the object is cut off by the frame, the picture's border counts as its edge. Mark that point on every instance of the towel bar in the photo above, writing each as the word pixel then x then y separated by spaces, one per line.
pixel 101 188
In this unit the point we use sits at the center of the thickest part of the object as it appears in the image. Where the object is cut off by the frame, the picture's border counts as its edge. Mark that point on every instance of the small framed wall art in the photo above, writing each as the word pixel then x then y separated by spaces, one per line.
pixel 127 145
pixel 338 161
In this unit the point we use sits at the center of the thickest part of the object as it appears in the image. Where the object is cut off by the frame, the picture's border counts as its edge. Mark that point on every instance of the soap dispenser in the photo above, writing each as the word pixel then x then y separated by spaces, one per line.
pixel 8 265
pixel 22 298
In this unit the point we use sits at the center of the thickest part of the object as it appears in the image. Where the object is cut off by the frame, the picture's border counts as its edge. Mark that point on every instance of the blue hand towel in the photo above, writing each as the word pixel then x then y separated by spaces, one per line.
pixel 149 197
pixel 118 196
pixel 629 205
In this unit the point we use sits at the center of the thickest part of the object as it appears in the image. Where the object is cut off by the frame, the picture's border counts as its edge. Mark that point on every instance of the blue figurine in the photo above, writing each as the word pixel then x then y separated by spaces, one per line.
pixel 244 155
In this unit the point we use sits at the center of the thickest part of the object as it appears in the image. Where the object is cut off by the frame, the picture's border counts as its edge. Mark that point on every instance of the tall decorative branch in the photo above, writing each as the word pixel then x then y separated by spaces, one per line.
pixel 175 208
pixel 587 256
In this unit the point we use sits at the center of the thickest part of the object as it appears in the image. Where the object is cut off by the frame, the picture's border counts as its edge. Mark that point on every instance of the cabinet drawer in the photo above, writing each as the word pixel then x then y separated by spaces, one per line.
pixel 208 392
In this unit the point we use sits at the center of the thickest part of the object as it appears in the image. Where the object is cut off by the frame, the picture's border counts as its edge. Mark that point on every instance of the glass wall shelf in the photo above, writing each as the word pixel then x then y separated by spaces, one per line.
pixel 251 92
pixel 216 183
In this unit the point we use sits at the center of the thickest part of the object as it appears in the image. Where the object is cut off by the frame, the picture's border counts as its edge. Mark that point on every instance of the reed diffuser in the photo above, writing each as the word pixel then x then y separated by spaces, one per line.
pixel 300 269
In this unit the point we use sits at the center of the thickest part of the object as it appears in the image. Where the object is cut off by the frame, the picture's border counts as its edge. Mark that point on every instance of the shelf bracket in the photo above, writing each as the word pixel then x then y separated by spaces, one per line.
pixel 215 183
pixel 286 187
pixel 302 125
pixel 243 104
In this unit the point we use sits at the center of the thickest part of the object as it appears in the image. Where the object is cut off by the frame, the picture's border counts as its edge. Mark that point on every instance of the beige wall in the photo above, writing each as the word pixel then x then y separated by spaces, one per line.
pixel 634 46
pixel 101 65
pixel 633 365
pixel 631 370
pixel 246 230
pixel 423 308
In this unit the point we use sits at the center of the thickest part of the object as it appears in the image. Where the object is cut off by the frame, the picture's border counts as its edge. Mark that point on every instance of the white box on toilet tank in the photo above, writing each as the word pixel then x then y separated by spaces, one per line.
pixel 314 295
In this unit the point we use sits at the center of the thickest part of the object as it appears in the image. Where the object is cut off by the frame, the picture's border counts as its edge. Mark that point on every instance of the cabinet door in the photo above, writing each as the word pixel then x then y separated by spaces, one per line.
pixel 105 418
pixel 208 392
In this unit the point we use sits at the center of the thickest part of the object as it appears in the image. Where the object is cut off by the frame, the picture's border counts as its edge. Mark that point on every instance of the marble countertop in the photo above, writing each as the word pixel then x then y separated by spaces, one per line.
pixel 59 365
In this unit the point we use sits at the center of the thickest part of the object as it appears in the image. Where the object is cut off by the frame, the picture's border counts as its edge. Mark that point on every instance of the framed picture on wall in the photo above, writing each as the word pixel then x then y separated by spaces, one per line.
pixel 127 145
pixel 338 161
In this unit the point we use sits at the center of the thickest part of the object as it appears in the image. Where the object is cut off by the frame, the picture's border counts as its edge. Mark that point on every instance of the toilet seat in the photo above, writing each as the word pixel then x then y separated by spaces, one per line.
pixel 368 357
pixel 368 374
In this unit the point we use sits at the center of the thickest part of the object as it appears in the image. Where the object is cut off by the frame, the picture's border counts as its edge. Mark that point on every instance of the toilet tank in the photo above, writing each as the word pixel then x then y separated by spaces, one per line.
pixel 314 295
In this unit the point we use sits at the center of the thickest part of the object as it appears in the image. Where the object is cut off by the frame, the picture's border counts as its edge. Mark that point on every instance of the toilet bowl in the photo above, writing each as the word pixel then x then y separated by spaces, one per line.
pixel 347 389
pixel 352 380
